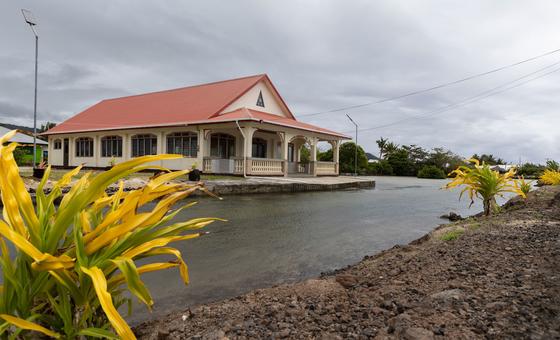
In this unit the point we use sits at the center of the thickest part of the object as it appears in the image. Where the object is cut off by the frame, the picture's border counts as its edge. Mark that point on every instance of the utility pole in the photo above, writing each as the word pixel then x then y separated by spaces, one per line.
pixel 28 16
pixel 356 148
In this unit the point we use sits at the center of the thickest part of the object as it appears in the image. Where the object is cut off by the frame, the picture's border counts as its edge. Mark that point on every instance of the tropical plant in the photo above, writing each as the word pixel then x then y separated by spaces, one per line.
pixel 484 183
pixel 550 177
pixel 381 144
pixel 70 263
pixel 521 185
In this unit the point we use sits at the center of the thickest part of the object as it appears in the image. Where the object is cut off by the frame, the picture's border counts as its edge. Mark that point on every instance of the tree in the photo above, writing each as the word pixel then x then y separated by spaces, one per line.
pixel 401 163
pixel 381 144
pixel 46 126
pixel 380 168
pixel 304 154
pixel 347 152
pixel 488 159
pixel 390 147
pixel 325 156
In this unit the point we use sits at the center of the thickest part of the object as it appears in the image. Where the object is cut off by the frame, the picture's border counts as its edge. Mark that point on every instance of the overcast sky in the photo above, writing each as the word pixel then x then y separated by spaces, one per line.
pixel 321 55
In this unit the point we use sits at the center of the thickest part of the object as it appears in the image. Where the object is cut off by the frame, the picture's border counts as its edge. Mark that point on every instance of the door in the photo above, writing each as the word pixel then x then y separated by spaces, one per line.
pixel 66 152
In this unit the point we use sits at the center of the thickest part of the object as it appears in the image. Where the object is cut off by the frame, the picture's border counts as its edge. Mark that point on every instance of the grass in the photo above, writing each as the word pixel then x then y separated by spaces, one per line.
pixel 452 235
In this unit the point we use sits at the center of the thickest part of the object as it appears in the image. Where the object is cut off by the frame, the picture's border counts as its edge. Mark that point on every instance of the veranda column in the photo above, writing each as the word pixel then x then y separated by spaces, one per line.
pixel 248 133
pixel 96 150
pixel 284 137
pixel 125 147
pixel 201 149
pixel 313 156
pixel 336 152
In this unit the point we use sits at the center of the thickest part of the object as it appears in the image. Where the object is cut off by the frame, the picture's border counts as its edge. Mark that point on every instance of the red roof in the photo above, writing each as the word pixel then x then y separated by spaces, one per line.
pixel 245 114
pixel 198 104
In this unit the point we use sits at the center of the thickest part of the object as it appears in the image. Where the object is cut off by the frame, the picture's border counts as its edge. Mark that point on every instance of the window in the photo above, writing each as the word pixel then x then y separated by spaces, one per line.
pixel 111 146
pixel 222 145
pixel 144 145
pixel 259 148
pixel 260 101
pixel 57 144
pixel 182 143
pixel 84 147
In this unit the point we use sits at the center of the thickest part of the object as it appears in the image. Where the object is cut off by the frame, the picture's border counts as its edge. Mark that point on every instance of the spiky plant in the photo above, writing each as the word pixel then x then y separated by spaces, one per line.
pixel 550 177
pixel 72 261
pixel 522 185
pixel 484 183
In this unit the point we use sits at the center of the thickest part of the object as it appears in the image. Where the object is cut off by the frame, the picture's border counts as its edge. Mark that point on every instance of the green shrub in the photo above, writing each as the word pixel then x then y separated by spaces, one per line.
pixel 380 168
pixel 431 171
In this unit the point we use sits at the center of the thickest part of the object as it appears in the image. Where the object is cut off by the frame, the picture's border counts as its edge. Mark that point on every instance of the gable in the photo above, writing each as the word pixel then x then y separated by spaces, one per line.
pixel 260 93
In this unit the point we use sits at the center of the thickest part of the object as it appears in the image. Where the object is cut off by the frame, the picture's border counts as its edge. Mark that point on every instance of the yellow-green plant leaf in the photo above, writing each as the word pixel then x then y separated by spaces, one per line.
pixel 135 284
pixel 98 333
pixel 100 285
pixel 28 325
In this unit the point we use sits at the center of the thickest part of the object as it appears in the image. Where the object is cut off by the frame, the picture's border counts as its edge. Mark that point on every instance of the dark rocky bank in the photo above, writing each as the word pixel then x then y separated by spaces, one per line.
pixel 498 279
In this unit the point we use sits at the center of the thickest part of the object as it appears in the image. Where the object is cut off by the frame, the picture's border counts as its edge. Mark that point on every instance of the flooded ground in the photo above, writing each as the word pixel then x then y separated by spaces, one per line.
pixel 277 238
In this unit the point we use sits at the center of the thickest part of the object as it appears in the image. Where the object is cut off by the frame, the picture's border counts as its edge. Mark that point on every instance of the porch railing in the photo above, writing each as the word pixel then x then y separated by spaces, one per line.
pixel 326 168
pixel 223 165
pixel 266 166
pixel 238 166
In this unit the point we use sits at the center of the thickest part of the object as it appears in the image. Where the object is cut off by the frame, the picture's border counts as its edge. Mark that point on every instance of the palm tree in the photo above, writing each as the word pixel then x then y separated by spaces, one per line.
pixel 381 144
pixel 390 147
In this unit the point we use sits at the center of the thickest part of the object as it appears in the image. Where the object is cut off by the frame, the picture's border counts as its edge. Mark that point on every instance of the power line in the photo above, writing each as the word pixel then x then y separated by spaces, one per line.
pixel 431 88
pixel 480 96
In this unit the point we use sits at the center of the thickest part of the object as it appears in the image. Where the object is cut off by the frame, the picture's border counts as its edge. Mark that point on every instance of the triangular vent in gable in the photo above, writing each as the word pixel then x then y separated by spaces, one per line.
pixel 260 101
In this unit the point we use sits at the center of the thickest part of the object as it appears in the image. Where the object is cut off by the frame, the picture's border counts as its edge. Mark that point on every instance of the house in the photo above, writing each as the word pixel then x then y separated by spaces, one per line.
pixel 239 126
pixel 24 137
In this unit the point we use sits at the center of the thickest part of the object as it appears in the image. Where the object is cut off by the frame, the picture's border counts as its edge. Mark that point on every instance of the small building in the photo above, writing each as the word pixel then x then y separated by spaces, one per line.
pixel 239 126
pixel 24 137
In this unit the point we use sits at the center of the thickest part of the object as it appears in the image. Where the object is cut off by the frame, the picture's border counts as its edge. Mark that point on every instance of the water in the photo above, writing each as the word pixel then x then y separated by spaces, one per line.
pixel 278 238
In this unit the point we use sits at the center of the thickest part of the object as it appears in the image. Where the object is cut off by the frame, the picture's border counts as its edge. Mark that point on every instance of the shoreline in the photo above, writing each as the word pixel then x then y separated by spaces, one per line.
pixel 497 278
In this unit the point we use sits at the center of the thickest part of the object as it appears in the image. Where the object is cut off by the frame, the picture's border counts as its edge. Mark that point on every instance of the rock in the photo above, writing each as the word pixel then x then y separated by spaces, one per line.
pixel 215 335
pixel 452 216
pixel 347 281
pixel 417 333
pixel 448 295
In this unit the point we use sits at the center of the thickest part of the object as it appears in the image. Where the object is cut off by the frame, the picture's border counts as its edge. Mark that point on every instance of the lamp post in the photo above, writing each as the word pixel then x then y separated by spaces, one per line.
pixel 30 19
pixel 356 148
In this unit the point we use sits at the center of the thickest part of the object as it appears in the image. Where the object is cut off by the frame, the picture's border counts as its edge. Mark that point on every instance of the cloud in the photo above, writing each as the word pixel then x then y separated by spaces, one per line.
pixel 320 54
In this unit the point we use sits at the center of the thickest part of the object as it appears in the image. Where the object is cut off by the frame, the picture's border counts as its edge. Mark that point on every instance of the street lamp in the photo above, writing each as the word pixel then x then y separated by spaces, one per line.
pixel 30 19
pixel 356 148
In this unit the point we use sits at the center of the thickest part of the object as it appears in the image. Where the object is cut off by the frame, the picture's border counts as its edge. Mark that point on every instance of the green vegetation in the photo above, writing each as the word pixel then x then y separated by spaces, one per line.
pixel 408 160
pixel 488 159
pixel 530 170
pixel 68 265
pixel 24 155
pixel 431 171
pixel 483 183
pixel 452 235
pixel 347 158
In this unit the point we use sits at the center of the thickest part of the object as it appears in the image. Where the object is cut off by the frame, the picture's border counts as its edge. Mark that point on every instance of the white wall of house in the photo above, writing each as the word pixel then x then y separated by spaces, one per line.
pixel 272 104
pixel 276 137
